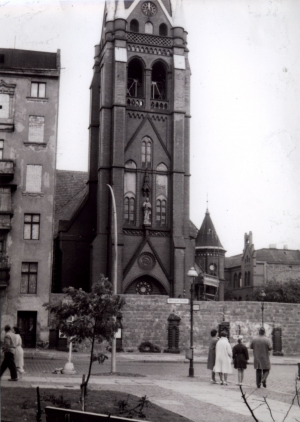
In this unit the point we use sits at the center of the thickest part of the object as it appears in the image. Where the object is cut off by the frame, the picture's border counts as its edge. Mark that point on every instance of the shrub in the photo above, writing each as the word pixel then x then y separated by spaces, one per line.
pixel 276 291
pixel 148 347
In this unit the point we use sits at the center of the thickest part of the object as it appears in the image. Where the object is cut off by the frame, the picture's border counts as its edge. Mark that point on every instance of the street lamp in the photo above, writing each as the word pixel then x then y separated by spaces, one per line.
pixel 262 295
pixel 192 273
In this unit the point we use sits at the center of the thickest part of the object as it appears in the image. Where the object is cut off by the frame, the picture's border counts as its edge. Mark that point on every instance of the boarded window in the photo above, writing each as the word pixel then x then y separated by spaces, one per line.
pixel 5 200
pixel 29 277
pixel 148 28
pixel 34 178
pixel 1 148
pixel 36 129
pixel 4 106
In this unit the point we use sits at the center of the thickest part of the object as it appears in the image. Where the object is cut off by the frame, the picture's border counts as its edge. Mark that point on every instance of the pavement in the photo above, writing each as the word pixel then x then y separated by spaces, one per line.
pixel 169 387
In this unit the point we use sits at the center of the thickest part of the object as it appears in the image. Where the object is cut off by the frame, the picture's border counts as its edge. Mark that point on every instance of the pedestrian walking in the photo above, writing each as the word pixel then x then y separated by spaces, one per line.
pixel 19 355
pixel 240 357
pixel 223 358
pixel 212 355
pixel 9 348
pixel 261 346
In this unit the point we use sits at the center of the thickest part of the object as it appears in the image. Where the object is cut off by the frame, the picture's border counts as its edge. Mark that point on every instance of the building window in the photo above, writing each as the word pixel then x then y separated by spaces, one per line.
pixel 1 148
pixel 29 277
pixel 161 194
pixel 2 56
pixel 146 152
pixel 161 212
pixel 158 84
pixel 4 106
pixel 163 30
pixel 129 191
pixel 148 28
pixel 34 178
pixel 38 89
pixel 235 281
pixel 36 129
pixel 31 226
pixel 135 84
pixel 134 25
pixel 129 209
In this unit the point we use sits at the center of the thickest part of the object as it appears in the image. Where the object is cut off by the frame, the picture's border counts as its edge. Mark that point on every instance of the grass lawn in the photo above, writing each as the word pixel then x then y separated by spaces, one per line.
pixel 20 404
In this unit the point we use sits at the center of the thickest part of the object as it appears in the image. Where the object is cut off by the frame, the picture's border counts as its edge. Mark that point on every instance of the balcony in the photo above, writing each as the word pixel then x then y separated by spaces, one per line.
pixel 4 272
pixel 6 170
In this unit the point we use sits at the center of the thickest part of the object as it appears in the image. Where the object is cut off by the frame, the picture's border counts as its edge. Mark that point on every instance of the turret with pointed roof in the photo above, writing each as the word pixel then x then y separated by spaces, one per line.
pixel 210 254
pixel 207 236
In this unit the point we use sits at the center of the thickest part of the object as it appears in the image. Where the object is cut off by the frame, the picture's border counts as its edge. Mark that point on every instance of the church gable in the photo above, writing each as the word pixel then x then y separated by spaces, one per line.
pixel 150 15
pixel 148 132
pixel 146 263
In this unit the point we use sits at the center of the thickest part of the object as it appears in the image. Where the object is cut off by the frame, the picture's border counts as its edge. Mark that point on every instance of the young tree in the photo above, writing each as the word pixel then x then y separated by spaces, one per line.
pixel 94 315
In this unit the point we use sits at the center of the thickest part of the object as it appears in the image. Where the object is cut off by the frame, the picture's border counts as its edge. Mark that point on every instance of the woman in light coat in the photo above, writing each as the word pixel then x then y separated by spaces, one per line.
pixel 19 353
pixel 223 358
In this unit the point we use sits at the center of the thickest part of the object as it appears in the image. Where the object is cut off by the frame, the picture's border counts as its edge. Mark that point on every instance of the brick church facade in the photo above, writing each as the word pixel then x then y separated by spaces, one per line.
pixel 139 145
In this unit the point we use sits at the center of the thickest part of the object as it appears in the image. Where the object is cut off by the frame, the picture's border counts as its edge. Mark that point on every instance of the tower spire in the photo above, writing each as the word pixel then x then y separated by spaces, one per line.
pixel 178 19
pixel 110 9
pixel 120 12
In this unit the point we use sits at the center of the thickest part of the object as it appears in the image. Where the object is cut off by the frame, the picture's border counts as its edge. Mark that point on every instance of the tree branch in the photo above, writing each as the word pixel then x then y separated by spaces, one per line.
pixel 247 404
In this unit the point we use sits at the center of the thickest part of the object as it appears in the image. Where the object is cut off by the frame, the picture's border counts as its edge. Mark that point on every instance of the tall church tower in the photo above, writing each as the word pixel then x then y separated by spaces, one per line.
pixel 139 144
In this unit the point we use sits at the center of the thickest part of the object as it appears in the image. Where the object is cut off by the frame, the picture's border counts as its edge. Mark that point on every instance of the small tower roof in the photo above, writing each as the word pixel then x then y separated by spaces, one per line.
pixel 207 236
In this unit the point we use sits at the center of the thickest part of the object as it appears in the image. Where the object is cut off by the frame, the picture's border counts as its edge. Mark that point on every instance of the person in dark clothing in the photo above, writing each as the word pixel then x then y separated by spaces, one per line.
pixel 9 348
pixel 261 346
pixel 240 357
pixel 212 355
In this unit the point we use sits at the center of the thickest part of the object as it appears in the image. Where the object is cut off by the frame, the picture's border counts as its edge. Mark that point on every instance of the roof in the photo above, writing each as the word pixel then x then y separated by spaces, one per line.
pixel 207 235
pixel 70 190
pixel 278 256
pixel 193 230
pixel 26 59
pixel 233 261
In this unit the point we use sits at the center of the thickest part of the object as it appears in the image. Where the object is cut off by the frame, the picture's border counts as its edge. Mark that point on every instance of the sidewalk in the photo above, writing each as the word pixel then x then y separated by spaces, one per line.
pixel 145 357
pixel 197 400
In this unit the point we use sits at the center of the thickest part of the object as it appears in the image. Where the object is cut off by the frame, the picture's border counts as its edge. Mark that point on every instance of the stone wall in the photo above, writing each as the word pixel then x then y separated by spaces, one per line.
pixel 146 319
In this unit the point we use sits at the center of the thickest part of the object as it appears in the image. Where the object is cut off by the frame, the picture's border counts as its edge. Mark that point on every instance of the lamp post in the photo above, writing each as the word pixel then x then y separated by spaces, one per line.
pixel 192 273
pixel 262 296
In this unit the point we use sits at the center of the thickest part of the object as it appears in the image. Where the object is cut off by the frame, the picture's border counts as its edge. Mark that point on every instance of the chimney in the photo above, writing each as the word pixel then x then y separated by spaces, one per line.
pixel 285 247
pixel 273 246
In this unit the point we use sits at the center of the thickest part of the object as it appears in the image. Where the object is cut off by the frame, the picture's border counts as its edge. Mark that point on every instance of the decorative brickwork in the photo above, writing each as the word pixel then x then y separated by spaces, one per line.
pixel 149 39
pixel 149 50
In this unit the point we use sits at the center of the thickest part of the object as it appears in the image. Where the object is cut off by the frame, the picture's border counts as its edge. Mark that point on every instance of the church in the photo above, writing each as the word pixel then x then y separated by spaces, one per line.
pixel 139 145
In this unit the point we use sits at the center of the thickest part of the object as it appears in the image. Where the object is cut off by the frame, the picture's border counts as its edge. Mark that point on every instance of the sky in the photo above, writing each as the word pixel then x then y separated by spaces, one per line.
pixel 245 126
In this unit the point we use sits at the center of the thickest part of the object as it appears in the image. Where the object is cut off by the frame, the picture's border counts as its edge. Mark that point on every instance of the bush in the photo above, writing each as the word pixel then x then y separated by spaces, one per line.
pixel 147 347
pixel 276 291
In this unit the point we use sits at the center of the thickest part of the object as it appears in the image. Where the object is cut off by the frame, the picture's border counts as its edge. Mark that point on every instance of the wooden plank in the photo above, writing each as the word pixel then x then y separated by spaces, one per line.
pixel 54 414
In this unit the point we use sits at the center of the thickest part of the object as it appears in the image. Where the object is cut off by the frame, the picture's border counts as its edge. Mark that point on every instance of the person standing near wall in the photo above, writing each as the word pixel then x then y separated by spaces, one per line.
pixel 9 348
pixel 19 355
pixel 261 346
pixel 212 355
pixel 223 358
pixel 240 357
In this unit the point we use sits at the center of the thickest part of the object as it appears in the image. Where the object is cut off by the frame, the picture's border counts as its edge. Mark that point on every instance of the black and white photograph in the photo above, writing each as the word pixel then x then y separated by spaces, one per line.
pixel 150 210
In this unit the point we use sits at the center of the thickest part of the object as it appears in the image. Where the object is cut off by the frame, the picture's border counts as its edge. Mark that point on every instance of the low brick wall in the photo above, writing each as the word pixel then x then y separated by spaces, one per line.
pixel 145 318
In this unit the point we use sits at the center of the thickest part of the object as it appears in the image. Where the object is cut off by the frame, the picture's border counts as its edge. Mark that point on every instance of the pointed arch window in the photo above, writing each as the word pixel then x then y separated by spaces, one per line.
pixel 161 194
pixel 134 25
pixel 158 83
pixel 148 28
pixel 135 79
pixel 146 152
pixel 163 30
pixel 235 280
pixel 130 192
